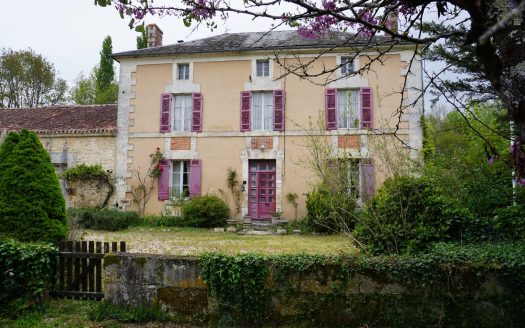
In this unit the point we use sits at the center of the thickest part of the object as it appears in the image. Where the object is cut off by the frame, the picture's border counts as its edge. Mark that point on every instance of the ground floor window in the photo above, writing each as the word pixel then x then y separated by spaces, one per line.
pixel 180 179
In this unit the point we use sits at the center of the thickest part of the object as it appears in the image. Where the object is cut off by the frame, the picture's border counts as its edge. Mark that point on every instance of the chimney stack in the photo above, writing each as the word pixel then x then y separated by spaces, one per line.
pixel 154 36
pixel 391 21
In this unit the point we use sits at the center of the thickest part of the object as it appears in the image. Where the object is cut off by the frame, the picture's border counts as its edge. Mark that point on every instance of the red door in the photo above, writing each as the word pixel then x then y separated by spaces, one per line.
pixel 262 189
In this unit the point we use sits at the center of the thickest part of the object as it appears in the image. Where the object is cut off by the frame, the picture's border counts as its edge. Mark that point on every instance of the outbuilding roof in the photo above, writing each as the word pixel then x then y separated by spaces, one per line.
pixel 74 119
pixel 254 41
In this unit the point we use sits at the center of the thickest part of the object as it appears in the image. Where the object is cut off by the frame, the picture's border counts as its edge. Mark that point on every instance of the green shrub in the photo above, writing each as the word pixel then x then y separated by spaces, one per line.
pixel 205 211
pixel 299 224
pixel 510 221
pixel 330 212
pixel 24 275
pixel 161 221
pixel 32 207
pixel 129 314
pixel 110 220
pixel 406 215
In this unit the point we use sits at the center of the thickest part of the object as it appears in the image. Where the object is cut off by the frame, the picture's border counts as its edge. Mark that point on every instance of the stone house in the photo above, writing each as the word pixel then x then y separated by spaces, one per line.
pixel 72 135
pixel 230 102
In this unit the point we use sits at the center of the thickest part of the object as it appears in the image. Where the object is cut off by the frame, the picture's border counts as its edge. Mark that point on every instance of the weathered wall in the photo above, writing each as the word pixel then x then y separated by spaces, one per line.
pixel 325 295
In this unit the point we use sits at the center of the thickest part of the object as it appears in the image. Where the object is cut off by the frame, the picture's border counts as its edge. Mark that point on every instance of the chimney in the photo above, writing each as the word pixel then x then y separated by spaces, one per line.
pixel 154 36
pixel 391 20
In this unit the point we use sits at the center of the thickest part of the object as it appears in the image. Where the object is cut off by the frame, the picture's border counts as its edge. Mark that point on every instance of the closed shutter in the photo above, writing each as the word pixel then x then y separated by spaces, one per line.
pixel 278 110
pixel 195 177
pixel 165 109
pixel 196 122
pixel 164 180
pixel 367 179
pixel 331 109
pixel 246 105
pixel 366 108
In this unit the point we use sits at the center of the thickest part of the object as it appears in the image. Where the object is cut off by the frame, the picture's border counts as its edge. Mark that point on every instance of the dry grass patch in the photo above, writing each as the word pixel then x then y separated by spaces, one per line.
pixel 189 241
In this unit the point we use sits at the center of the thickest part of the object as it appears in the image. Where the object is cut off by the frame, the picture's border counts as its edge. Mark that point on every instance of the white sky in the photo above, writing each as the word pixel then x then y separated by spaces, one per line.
pixel 69 33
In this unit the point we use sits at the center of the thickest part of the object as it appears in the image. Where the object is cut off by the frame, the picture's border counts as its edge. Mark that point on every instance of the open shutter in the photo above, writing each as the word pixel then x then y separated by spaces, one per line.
pixel 164 180
pixel 278 110
pixel 366 108
pixel 196 122
pixel 331 109
pixel 195 177
pixel 165 109
pixel 246 106
pixel 367 179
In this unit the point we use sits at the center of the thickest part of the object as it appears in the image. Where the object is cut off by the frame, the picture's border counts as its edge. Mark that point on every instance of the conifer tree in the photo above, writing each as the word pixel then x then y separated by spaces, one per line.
pixel 32 207
pixel 106 88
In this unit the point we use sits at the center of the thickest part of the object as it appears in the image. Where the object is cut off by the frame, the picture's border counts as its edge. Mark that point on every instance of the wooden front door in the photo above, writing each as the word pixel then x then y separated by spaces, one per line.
pixel 262 188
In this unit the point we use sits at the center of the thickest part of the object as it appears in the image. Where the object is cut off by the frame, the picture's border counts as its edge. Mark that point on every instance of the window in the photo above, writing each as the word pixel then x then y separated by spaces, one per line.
pixel 263 67
pixel 347 108
pixel 262 111
pixel 180 179
pixel 347 65
pixel 183 71
pixel 348 175
pixel 182 113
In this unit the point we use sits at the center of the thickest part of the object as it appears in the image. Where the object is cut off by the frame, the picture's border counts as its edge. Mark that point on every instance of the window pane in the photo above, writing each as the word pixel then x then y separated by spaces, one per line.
pixel 342 109
pixel 354 110
pixel 177 123
pixel 187 112
pixel 347 65
pixel 268 111
pixel 257 111
pixel 263 68
pixel 183 71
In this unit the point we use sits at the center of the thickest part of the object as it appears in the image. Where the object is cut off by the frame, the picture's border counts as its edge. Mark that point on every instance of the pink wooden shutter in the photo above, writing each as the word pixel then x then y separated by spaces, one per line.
pixel 246 105
pixel 165 109
pixel 278 110
pixel 368 179
pixel 366 108
pixel 196 123
pixel 195 177
pixel 331 109
pixel 164 180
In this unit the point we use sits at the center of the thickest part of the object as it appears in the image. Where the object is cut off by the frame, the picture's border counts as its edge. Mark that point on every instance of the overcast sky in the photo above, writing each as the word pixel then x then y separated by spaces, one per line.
pixel 69 33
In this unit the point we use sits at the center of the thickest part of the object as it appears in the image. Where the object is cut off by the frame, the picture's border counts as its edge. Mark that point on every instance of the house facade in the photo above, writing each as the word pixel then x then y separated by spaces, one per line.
pixel 72 135
pixel 234 102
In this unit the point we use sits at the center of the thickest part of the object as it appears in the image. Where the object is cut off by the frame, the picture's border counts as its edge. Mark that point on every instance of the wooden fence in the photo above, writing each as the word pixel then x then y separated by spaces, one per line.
pixel 79 268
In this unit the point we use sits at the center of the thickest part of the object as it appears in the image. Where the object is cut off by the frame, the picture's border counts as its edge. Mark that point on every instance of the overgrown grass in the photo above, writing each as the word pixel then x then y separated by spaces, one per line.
pixel 192 241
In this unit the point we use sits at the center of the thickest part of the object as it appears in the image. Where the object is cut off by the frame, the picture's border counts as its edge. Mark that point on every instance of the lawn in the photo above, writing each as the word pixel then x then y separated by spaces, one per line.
pixel 190 241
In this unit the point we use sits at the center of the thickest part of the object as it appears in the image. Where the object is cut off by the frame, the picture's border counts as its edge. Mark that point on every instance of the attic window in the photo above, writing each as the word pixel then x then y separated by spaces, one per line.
pixel 183 71
pixel 263 67
pixel 347 65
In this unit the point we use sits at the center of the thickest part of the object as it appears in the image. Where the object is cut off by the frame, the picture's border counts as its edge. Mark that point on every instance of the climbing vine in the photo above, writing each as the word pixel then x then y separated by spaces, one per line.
pixel 83 172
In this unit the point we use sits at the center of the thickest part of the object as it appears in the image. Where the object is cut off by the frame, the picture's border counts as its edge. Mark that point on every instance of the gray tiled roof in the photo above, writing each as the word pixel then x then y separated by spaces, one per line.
pixel 252 41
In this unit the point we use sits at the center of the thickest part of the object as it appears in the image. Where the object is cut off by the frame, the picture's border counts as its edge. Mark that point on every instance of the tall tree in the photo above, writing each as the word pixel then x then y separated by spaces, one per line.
pixel 27 79
pixel 106 89
pixel 142 39
pixel 494 30
pixel 83 90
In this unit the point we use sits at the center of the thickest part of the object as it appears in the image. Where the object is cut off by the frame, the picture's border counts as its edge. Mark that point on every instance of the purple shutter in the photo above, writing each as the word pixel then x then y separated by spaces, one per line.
pixel 246 106
pixel 195 177
pixel 165 109
pixel 331 109
pixel 278 110
pixel 368 179
pixel 366 108
pixel 196 123
pixel 164 180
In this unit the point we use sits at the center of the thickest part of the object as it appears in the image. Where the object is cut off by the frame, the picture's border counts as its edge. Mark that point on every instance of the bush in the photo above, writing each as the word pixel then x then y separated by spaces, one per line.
pixel 32 207
pixel 129 314
pixel 161 221
pixel 110 220
pixel 330 212
pixel 24 275
pixel 406 215
pixel 205 211
pixel 510 221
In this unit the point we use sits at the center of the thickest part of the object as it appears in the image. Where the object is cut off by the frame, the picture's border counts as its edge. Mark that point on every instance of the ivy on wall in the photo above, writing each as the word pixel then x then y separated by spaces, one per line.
pixel 86 173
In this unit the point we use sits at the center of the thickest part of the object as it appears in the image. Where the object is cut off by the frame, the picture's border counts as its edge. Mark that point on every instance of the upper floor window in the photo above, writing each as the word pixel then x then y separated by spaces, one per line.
pixel 347 65
pixel 262 111
pixel 347 108
pixel 263 67
pixel 183 71
pixel 182 111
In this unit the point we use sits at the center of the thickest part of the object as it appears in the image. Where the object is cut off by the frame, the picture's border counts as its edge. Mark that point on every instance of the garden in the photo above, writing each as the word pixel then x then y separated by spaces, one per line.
pixel 443 247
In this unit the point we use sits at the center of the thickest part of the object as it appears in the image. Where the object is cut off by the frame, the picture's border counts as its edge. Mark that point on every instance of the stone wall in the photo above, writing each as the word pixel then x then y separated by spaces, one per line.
pixel 320 296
